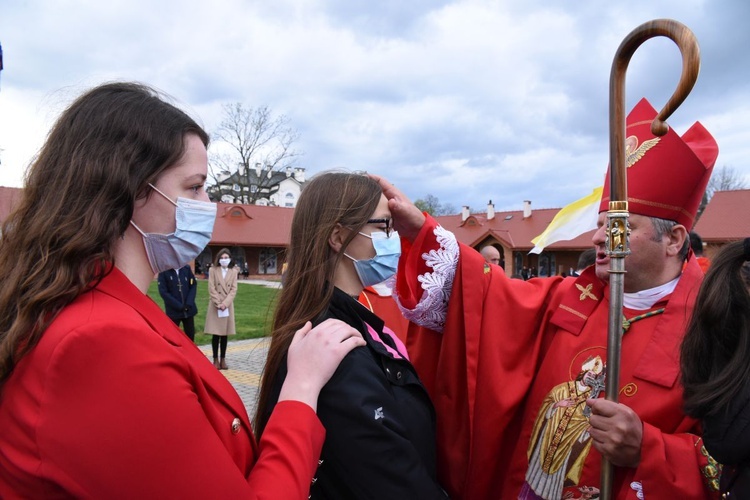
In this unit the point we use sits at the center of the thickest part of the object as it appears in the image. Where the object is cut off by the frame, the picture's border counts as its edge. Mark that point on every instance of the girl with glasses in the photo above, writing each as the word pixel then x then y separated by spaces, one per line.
pixel 380 423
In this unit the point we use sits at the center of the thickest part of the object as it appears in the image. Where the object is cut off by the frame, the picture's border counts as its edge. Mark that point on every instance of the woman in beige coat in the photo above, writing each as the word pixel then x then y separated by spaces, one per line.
pixel 222 287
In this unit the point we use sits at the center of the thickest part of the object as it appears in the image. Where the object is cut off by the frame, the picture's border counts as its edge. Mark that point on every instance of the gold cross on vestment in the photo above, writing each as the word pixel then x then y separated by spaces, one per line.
pixel 586 292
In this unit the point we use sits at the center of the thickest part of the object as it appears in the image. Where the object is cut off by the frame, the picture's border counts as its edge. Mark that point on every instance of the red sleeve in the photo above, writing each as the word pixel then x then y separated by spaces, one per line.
pixel 479 369
pixel 144 426
pixel 675 466
pixel 289 451
pixel 411 264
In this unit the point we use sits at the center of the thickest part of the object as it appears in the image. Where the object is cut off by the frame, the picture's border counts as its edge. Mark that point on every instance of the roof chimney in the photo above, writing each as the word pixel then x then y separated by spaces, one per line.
pixel 464 213
pixel 288 171
pixel 257 169
pixel 299 174
pixel 526 209
pixel 490 211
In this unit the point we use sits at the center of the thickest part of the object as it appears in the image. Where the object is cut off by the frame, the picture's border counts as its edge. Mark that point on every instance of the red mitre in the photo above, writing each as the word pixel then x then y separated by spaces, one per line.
pixel 666 175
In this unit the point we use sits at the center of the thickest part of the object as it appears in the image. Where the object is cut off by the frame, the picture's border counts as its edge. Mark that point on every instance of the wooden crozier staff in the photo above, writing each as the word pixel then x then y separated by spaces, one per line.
pixel 617 215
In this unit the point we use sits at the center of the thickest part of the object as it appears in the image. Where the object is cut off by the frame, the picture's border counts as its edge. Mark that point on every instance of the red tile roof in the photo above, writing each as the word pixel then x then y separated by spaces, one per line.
pixel 511 229
pixel 252 225
pixel 725 217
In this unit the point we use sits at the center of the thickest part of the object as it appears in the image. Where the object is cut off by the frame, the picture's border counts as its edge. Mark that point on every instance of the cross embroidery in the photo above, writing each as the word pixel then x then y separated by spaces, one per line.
pixel 586 292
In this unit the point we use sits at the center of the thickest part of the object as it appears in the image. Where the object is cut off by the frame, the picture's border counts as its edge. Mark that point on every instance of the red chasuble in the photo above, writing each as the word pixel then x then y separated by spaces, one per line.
pixel 513 366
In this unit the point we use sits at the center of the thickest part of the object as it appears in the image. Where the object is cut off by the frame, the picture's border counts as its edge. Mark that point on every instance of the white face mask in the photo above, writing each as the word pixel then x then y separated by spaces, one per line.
pixel 194 225
pixel 224 262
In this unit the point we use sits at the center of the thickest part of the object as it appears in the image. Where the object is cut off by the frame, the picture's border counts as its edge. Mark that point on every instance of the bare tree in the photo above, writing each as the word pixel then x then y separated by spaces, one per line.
pixel 724 179
pixel 256 147
pixel 432 205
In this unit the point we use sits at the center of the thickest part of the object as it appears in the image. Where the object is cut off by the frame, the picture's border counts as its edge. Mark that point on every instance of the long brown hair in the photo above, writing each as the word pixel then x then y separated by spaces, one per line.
pixel 330 198
pixel 716 348
pixel 77 200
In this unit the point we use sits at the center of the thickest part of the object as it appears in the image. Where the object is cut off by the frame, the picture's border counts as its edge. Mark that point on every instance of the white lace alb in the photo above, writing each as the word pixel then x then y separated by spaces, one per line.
pixel 432 308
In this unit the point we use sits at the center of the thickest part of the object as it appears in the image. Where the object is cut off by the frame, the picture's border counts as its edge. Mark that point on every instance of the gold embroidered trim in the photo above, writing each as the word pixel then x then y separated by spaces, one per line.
pixel 629 389
pixel 712 471
pixel 573 311
pixel 586 292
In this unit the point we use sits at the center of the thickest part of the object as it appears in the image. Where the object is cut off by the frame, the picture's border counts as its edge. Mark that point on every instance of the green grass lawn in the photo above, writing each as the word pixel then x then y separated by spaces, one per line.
pixel 253 310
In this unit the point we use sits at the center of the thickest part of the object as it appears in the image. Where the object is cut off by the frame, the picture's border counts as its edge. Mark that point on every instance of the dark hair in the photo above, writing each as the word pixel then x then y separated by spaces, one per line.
pixel 587 258
pixel 77 200
pixel 716 346
pixel 696 243
pixel 222 252
pixel 663 227
pixel 328 199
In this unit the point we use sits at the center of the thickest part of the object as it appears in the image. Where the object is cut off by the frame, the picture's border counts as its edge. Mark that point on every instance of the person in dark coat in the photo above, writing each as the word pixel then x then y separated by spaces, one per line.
pixel 177 288
pixel 379 420
pixel 715 371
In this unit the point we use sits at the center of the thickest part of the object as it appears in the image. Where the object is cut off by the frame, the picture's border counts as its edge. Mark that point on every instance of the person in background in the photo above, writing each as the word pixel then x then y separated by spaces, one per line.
pixel 715 368
pixel 491 255
pixel 101 395
pixel 696 243
pixel 222 288
pixel 177 288
pixel 380 422
pixel 586 259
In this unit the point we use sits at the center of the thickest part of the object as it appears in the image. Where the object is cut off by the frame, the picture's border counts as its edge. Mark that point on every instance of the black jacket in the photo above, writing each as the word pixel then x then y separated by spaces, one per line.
pixel 726 436
pixel 178 294
pixel 380 423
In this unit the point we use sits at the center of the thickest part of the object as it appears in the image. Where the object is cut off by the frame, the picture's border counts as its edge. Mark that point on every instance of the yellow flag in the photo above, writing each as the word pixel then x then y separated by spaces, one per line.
pixel 572 220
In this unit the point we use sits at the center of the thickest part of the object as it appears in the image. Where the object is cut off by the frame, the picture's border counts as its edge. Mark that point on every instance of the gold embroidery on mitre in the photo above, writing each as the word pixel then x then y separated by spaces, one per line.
pixel 634 152
pixel 586 292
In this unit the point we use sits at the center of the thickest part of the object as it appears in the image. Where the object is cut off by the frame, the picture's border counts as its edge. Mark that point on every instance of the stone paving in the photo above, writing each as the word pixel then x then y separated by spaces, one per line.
pixel 245 359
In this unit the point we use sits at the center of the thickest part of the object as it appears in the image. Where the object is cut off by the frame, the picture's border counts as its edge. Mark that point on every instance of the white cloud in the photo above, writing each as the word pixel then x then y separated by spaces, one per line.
pixel 469 100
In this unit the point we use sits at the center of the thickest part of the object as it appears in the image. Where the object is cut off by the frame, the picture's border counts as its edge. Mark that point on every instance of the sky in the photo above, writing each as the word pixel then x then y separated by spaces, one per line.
pixel 466 100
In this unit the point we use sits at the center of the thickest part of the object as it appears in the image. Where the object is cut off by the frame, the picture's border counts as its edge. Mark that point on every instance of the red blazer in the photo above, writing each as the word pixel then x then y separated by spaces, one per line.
pixel 116 402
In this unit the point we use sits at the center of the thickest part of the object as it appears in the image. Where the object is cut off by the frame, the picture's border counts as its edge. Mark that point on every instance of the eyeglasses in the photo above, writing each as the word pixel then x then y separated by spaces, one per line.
pixel 388 227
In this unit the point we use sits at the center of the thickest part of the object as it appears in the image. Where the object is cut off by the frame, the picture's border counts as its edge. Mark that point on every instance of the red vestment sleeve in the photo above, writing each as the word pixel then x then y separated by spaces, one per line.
pixel 674 465
pixel 479 369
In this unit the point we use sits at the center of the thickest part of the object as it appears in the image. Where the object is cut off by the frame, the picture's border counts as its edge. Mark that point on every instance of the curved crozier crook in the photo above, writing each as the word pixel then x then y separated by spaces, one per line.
pixel 688 45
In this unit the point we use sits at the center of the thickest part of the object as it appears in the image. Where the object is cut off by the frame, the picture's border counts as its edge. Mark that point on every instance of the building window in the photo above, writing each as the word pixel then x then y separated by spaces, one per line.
pixel 267 261
pixel 547 266
pixel 517 262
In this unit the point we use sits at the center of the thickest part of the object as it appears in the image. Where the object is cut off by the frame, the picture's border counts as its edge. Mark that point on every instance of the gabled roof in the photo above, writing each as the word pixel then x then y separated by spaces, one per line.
pixel 511 229
pixel 252 225
pixel 725 218
pixel 9 197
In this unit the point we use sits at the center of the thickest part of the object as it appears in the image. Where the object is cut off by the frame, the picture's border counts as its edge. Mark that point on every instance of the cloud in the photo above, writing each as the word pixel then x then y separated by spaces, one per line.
pixel 468 100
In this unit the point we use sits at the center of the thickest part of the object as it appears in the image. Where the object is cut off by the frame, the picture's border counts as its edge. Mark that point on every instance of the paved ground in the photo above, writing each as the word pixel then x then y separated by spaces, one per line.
pixel 245 359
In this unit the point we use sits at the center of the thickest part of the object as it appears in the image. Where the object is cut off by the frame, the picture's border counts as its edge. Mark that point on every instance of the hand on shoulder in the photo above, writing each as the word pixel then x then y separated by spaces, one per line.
pixel 314 355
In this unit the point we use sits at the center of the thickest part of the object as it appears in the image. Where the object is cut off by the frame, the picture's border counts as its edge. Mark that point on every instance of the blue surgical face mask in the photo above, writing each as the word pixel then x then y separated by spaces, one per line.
pixel 384 264
pixel 194 225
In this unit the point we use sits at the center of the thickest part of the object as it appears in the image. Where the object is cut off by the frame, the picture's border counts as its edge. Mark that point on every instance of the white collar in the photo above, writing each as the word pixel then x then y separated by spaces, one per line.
pixel 645 299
